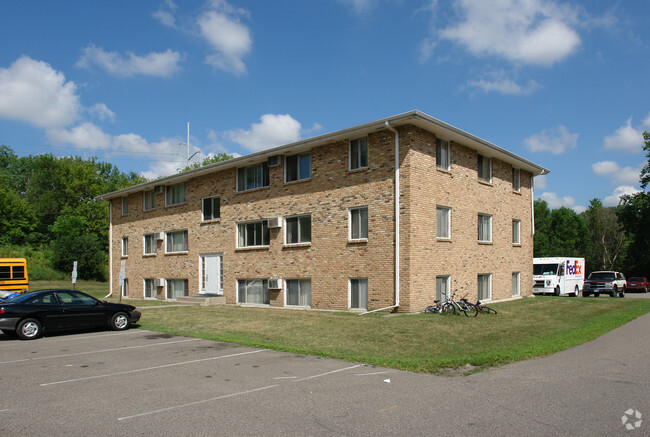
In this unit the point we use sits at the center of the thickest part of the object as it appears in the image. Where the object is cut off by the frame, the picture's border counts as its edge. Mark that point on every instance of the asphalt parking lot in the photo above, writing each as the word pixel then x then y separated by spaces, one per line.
pixel 146 383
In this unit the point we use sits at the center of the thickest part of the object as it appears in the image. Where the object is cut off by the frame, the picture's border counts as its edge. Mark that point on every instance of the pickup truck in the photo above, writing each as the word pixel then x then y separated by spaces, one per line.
pixel 609 282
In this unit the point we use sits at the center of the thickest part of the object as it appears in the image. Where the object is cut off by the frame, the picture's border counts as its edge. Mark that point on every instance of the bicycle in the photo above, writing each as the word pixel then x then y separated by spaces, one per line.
pixel 463 305
pixel 485 309
pixel 439 308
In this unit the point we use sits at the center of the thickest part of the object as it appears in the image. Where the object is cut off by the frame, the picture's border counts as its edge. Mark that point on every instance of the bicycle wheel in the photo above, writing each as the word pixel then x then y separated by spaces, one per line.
pixel 488 310
pixel 470 310
pixel 448 308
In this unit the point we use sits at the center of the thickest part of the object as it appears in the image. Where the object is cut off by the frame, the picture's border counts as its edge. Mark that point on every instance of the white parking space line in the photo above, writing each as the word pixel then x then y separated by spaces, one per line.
pixel 198 402
pixel 145 369
pixel 216 398
pixel 99 351
pixel 78 337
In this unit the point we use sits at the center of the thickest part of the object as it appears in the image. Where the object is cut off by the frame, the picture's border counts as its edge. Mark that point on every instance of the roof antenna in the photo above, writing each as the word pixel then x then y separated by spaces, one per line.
pixel 188 145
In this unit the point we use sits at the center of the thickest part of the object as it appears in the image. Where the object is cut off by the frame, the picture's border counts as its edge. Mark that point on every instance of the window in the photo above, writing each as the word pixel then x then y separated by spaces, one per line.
pixel 125 246
pixel 484 287
pixel 253 176
pixel 516 232
pixel 515 283
pixel 359 294
pixel 484 227
pixel 149 200
pixel 516 179
pixel 359 223
pixel 484 169
pixel 443 222
pixel 299 292
pixel 176 241
pixel 125 205
pixel 255 291
pixel 298 167
pixel 125 287
pixel 176 288
pixel 442 154
pixel 211 208
pixel 253 234
pixel 175 194
pixel 442 287
pixel 18 272
pixel 150 289
pixel 359 153
pixel 150 244
pixel 298 229
pixel 72 297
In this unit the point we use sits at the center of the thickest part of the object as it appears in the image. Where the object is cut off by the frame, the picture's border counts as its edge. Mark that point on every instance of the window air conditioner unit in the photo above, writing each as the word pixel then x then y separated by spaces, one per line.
pixel 275 284
pixel 275 222
pixel 274 161
pixel 160 236
pixel 160 282
pixel 159 189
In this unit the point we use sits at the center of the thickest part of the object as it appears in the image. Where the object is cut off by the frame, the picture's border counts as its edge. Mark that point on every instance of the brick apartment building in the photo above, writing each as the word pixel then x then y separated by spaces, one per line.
pixel 315 224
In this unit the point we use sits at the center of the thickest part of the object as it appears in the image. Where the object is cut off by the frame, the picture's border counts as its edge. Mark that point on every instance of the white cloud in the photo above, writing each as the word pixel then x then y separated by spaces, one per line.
pixel 86 135
pixel 627 139
pixel 530 32
pixel 101 111
pixel 556 202
pixel 360 6
pixel 556 141
pixel 230 39
pixel 619 175
pixel 504 85
pixel 162 64
pixel 273 130
pixel 165 14
pixel 615 198
pixel 32 91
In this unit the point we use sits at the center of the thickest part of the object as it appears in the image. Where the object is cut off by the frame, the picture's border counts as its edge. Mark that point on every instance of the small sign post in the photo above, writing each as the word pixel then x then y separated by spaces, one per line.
pixel 74 275
pixel 122 276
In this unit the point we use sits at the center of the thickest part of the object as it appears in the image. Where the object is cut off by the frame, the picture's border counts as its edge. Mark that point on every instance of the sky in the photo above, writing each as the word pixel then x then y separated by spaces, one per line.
pixel 562 84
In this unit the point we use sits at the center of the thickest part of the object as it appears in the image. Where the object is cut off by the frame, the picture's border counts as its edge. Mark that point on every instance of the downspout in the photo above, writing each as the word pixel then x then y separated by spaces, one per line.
pixel 397 227
pixel 532 203
pixel 110 249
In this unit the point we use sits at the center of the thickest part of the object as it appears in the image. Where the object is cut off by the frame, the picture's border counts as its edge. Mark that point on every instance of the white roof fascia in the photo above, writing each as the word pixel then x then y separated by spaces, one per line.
pixel 417 118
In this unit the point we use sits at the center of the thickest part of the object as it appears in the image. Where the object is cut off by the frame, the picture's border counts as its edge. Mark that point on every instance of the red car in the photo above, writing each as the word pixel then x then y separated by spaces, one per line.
pixel 637 283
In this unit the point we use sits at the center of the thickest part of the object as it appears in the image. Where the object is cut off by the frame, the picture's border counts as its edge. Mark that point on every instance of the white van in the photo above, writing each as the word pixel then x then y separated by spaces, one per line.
pixel 558 275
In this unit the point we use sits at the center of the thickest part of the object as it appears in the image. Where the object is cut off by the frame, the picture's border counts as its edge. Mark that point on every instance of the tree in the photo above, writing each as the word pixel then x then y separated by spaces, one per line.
pixel 568 233
pixel 73 243
pixel 606 238
pixel 219 157
pixel 541 243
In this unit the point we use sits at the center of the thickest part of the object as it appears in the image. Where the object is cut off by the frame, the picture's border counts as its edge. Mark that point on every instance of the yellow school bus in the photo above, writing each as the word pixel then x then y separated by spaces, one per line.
pixel 13 276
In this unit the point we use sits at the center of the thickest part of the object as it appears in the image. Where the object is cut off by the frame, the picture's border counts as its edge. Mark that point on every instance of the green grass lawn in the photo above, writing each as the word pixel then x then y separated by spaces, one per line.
pixel 432 343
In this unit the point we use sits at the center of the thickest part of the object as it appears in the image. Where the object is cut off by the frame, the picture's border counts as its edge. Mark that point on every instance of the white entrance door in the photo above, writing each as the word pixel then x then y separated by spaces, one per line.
pixel 211 274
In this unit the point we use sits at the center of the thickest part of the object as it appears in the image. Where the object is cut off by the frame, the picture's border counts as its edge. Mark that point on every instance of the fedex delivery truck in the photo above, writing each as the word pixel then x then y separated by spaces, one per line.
pixel 558 275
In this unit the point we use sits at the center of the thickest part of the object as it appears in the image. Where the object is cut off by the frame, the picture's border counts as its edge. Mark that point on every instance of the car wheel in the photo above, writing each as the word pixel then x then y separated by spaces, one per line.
pixel 119 322
pixel 585 293
pixel 614 291
pixel 29 329
pixel 621 293
pixel 557 291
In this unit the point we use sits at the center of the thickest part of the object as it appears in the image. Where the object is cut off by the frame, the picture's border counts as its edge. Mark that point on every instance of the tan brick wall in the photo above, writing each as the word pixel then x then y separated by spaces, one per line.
pixel 330 260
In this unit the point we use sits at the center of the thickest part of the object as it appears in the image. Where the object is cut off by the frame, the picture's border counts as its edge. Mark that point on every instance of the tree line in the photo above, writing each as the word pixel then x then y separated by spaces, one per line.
pixel 48 204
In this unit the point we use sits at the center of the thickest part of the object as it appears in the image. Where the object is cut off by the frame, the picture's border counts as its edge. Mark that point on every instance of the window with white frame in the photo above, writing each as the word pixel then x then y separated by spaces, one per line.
pixel 442 287
pixel 253 234
pixel 125 287
pixel 443 222
pixel 253 176
pixel 359 293
pixel 298 229
pixel 516 232
pixel 516 179
pixel 299 292
pixel 515 283
pixel 175 194
pixel 359 153
pixel 125 205
pixel 442 154
pixel 149 200
pixel 150 244
pixel 359 223
pixel 484 168
pixel 150 289
pixel 176 241
pixel 211 208
pixel 297 167
pixel 253 291
pixel 484 227
pixel 125 246
pixel 177 288
pixel 484 287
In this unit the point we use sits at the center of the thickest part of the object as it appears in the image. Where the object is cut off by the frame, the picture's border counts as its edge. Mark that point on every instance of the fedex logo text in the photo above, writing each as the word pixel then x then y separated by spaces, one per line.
pixel 573 268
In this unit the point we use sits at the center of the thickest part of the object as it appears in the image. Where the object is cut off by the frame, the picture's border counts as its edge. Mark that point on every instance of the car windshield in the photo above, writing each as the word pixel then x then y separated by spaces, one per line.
pixel 636 280
pixel 603 276
pixel 544 269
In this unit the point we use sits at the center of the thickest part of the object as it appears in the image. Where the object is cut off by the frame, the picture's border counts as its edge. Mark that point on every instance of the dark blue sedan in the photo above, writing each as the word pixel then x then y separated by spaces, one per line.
pixel 28 315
